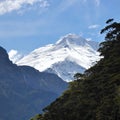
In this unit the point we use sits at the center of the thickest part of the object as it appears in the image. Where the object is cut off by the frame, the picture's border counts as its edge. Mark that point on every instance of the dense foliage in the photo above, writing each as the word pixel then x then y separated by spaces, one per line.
pixel 94 95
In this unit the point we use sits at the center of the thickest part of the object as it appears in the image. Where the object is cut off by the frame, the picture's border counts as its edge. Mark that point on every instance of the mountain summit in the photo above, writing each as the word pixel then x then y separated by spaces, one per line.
pixel 73 39
pixel 69 55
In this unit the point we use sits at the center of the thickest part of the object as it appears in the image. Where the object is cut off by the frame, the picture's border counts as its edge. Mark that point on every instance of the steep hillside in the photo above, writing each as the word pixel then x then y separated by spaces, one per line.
pixel 24 88
pixel 94 95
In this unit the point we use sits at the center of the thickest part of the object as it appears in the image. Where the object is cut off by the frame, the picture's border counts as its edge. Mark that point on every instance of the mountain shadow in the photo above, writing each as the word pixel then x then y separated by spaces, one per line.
pixel 23 89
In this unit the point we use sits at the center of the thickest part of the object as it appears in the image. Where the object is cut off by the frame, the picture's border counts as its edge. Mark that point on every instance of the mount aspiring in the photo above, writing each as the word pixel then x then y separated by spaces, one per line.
pixel 69 55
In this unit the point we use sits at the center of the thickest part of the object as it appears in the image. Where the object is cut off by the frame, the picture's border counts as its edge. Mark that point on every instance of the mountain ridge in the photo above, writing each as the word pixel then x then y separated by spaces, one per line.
pixel 69 48
pixel 23 89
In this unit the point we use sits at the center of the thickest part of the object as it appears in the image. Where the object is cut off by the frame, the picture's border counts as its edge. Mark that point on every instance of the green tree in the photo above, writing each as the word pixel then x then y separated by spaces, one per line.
pixel 94 95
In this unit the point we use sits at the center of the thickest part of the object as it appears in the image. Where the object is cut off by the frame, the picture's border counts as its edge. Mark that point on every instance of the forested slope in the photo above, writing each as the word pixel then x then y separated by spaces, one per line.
pixel 94 95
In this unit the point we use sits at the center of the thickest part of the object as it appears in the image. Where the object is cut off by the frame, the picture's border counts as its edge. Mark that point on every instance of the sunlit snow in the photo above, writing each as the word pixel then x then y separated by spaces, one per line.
pixel 69 55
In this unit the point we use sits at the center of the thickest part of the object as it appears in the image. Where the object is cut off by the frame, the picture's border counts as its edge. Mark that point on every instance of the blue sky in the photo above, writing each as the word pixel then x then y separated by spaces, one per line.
pixel 29 24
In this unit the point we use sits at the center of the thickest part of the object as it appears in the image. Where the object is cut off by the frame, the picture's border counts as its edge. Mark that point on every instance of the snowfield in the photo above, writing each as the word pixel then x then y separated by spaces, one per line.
pixel 69 55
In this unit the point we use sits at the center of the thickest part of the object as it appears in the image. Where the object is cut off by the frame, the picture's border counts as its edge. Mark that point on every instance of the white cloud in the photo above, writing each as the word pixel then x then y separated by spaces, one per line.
pixel 93 26
pixel 7 6
pixel 14 55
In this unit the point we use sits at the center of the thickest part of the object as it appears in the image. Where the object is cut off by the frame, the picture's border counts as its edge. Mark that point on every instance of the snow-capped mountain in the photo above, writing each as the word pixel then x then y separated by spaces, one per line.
pixel 69 55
